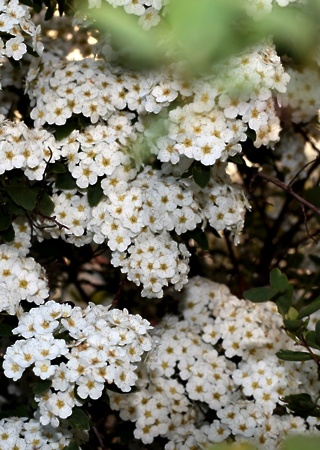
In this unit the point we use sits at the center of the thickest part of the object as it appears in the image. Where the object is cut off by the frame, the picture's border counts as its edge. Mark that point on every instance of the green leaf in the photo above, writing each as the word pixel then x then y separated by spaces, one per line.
pixel 310 309
pixel 37 5
pixel 201 174
pixel 284 301
pixel 79 419
pixel 31 52
pixel 57 167
pixel 260 294
pixel 143 47
pixel 200 237
pixel 14 208
pixel 72 446
pixel 312 195
pixel 236 159
pixel 65 130
pixel 50 11
pixel 317 330
pixel 95 194
pixel 289 355
pixel 5 220
pixel 301 442
pixel 279 280
pixel 23 195
pixel 65 181
pixel 6 330
pixel 41 387
pixel 299 402
pixel 45 204
pixel 292 325
pixel 311 339
pixel 7 235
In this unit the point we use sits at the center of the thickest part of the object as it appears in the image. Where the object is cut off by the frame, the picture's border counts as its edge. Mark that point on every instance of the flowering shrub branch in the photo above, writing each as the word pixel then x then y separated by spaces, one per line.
pixel 133 209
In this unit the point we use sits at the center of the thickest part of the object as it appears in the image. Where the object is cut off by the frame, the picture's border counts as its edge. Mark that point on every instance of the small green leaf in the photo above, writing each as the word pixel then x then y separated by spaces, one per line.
pixel 41 387
pixel 310 309
pixel 236 159
pixel 72 446
pixel 292 325
pixel 312 195
pixel 317 330
pixel 79 419
pixel 65 181
pixel 311 339
pixel 65 130
pixel 7 235
pixel 200 237
pixel 201 174
pixel 57 167
pixel 95 194
pixel 289 355
pixel 50 11
pixel 6 330
pixel 260 294
pixel 5 220
pixel 31 52
pixel 14 208
pixel 284 301
pixel 299 402
pixel 278 280
pixel 45 204
pixel 301 442
pixel 23 195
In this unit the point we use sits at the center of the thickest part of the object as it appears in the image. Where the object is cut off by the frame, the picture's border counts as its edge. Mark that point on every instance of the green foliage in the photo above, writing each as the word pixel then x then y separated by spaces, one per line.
pixel 95 194
pixel 79 419
pixel 23 195
pixel 65 181
pixel 289 355
pixel 41 387
pixel 205 32
pixel 290 443
pixel 201 174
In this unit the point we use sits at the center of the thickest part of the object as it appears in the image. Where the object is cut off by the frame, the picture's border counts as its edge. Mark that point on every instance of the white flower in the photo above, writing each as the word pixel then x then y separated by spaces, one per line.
pixel 15 48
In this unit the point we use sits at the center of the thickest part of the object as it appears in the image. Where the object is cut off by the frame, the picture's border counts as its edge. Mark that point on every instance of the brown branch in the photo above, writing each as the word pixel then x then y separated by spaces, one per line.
pixel 118 294
pixel 288 189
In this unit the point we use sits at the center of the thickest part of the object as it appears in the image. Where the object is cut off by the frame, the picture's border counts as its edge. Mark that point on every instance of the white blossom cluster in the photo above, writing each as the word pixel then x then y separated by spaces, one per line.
pixel 292 154
pixel 16 21
pixel 149 11
pixel 78 350
pixel 302 97
pixel 238 97
pixel 136 221
pixel 28 149
pixel 96 90
pixel 153 201
pixel 258 9
pixel 218 357
pixel 24 434
pixel 22 278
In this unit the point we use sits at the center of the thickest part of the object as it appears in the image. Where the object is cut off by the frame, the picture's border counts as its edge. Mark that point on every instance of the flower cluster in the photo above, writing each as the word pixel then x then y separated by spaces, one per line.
pixel 23 434
pixel 149 11
pixel 22 278
pixel 28 149
pixel 260 8
pixel 135 220
pixel 16 22
pixel 214 123
pixel 80 351
pixel 303 93
pixel 217 359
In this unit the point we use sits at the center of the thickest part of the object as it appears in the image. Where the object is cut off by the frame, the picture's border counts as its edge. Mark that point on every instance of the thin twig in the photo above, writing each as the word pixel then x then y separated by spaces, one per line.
pixel 118 294
pixel 288 189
